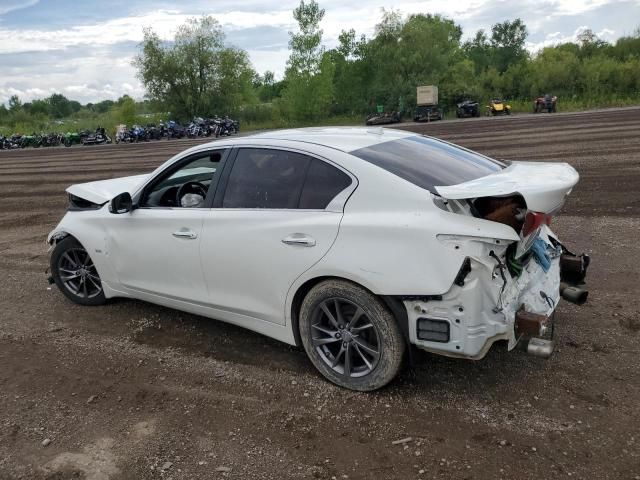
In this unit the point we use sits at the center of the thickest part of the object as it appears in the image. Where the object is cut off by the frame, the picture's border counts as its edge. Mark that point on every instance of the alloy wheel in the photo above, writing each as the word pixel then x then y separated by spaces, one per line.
pixel 345 338
pixel 78 273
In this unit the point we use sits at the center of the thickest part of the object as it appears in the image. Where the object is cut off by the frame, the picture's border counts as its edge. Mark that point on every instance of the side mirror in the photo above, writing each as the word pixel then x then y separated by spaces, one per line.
pixel 121 203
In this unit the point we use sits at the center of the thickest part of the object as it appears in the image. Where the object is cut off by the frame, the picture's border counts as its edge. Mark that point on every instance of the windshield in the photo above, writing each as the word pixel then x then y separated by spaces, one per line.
pixel 427 162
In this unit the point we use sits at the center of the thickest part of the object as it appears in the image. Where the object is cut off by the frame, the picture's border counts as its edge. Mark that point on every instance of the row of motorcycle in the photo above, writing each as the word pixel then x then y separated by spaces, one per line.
pixel 35 140
pixel 198 127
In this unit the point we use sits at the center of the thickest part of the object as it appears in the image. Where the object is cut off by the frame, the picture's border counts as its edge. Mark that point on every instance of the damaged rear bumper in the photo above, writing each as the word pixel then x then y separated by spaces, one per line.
pixel 487 303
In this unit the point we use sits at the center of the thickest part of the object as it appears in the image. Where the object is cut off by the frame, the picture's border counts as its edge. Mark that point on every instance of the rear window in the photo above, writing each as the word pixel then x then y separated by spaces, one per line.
pixel 427 162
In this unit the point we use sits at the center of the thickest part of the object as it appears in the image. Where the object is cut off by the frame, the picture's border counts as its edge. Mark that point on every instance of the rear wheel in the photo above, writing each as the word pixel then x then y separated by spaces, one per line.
pixel 350 336
pixel 75 274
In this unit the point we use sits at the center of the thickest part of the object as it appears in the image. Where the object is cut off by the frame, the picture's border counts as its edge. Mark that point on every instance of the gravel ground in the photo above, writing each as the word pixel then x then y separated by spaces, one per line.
pixel 136 391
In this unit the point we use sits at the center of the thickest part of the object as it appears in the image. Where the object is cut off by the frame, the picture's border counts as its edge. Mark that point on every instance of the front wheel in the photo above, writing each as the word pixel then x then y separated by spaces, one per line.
pixel 350 336
pixel 75 274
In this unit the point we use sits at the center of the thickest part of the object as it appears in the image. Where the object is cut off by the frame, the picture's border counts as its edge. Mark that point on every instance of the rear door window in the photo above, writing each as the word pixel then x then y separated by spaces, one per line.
pixel 266 178
pixel 282 179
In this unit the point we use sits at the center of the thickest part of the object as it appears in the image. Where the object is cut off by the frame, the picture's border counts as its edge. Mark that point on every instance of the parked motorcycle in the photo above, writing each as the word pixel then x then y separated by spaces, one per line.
pixel 99 137
pixel 138 134
pixel 72 138
pixel 196 128
pixel 153 132
pixel 34 140
pixel 175 130
pixel 6 144
pixel 52 140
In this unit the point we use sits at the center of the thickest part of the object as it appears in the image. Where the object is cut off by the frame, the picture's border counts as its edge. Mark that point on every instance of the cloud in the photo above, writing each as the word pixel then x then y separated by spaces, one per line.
pixel 87 56
pixel 10 5
pixel 80 74
pixel 126 29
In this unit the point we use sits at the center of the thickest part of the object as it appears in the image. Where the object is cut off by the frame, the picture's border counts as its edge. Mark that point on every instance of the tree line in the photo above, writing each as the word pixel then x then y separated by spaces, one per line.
pixel 425 49
pixel 198 73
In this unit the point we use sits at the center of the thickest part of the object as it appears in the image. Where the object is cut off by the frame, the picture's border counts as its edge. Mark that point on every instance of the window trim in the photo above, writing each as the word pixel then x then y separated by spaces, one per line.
pixel 336 205
pixel 175 166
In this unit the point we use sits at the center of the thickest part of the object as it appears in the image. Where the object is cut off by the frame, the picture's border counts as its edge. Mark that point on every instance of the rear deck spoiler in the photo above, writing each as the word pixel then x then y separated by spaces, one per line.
pixel 543 185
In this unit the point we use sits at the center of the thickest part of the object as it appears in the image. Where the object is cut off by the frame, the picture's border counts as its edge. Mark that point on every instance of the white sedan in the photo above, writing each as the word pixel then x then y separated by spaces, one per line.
pixel 358 244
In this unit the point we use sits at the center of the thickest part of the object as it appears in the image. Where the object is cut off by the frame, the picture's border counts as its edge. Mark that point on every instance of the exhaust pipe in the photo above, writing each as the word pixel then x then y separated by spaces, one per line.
pixel 539 347
pixel 573 294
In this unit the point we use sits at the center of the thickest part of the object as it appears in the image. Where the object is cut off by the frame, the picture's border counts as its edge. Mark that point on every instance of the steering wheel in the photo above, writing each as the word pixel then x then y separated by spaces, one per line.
pixel 190 187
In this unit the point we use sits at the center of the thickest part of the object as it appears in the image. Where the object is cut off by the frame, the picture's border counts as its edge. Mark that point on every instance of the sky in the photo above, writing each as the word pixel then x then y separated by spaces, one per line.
pixel 83 49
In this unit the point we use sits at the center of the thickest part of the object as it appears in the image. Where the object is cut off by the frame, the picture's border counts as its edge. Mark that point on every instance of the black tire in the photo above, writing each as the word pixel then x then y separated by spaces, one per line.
pixel 69 249
pixel 382 332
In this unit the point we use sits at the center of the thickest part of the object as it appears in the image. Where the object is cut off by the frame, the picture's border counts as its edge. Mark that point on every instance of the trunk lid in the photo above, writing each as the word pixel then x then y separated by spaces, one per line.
pixel 543 185
pixel 104 190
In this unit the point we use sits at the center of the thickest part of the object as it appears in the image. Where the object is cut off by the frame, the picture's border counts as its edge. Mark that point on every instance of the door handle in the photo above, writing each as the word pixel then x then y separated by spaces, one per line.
pixel 185 233
pixel 299 239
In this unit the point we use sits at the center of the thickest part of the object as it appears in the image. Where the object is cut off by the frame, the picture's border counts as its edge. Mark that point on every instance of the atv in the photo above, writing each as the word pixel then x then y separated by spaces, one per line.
pixel 545 102
pixel 467 108
pixel 498 107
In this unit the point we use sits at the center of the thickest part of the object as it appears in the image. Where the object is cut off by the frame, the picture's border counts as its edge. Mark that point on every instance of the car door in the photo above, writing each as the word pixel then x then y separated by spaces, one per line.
pixel 155 248
pixel 274 216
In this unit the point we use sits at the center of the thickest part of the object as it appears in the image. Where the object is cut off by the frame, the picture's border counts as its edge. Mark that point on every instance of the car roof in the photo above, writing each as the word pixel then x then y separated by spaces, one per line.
pixel 346 139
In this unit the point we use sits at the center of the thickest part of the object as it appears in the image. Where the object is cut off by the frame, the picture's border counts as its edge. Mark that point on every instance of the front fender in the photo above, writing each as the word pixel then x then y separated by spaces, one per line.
pixel 85 226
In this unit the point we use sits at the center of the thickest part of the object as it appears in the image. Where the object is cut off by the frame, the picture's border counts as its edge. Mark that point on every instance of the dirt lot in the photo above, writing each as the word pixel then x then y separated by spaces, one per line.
pixel 136 391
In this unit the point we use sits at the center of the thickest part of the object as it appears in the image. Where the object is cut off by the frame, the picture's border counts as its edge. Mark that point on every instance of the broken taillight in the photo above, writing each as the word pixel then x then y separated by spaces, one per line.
pixel 533 221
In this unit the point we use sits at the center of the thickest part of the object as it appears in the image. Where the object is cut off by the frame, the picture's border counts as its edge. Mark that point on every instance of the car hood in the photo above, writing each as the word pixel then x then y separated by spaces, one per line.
pixel 543 185
pixel 104 190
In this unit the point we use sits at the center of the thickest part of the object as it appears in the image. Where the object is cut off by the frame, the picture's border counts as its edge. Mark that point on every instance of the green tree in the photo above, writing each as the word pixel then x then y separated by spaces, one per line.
pixel 508 43
pixel 14 103
pixel 235 84
pixel 37 107
pixel 554 70
pixel 187 74
pixel 404 55
pixel 59 106
pixel 590 44
pixel 126 110
pixel 478 51
pixel 627 47
pixel 305 45
pixel 309 73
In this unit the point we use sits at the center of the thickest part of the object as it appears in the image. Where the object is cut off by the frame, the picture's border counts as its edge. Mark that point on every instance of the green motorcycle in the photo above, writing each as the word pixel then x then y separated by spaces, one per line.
pixel 71 138
pixel 30 141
